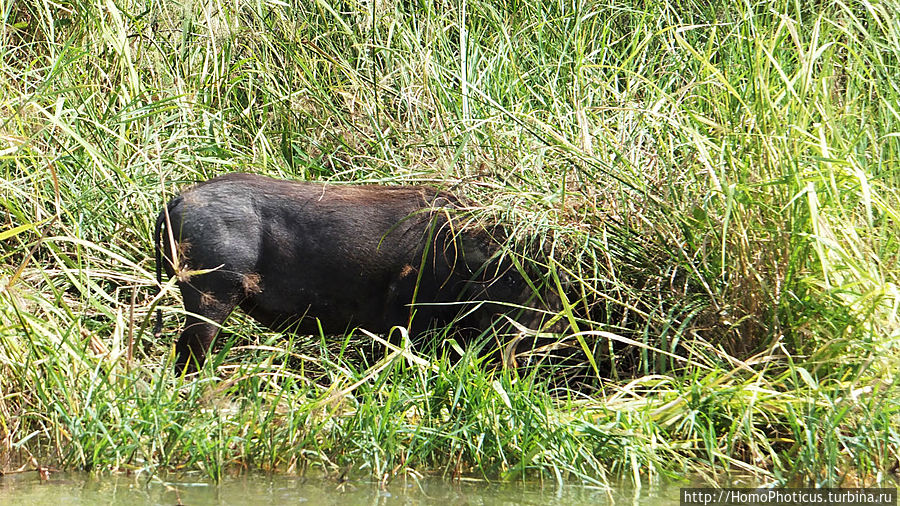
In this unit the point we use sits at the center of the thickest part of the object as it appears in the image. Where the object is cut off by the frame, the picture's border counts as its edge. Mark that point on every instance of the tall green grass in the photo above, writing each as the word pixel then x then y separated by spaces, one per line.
pixel 719 180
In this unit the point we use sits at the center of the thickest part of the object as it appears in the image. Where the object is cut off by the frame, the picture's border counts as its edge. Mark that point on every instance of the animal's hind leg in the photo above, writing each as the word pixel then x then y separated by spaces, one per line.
pixel 206 313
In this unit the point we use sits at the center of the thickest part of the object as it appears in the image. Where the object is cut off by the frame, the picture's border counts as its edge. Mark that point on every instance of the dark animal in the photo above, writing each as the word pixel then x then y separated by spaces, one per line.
pixel 297 255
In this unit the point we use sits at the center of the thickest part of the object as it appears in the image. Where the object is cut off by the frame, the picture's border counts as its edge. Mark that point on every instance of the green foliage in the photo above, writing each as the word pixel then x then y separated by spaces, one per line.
pixel 717 180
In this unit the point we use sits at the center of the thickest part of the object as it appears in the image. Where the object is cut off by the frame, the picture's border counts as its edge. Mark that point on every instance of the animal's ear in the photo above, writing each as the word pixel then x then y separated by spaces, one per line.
pixel 441 202
pixel 473 252
pixel 564 279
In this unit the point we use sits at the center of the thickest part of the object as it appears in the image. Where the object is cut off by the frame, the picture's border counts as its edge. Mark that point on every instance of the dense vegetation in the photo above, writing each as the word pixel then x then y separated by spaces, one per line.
pixel 718 179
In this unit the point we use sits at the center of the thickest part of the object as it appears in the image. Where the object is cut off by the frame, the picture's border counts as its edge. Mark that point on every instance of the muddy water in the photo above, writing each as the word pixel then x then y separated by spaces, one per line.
pixel 86 489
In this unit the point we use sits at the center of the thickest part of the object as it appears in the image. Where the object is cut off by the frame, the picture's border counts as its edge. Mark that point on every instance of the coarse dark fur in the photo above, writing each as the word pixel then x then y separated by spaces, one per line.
pixel 299 255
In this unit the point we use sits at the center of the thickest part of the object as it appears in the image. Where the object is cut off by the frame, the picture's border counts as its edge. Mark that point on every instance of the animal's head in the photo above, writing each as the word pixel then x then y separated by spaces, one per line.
pixel 512 284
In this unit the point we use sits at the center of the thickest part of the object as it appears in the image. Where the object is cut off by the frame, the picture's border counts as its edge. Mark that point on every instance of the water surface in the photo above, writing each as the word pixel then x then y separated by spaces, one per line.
pixel 87 489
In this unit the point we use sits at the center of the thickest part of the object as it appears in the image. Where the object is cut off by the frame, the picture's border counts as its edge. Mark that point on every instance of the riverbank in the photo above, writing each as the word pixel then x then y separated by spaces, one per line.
pixel 717 181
